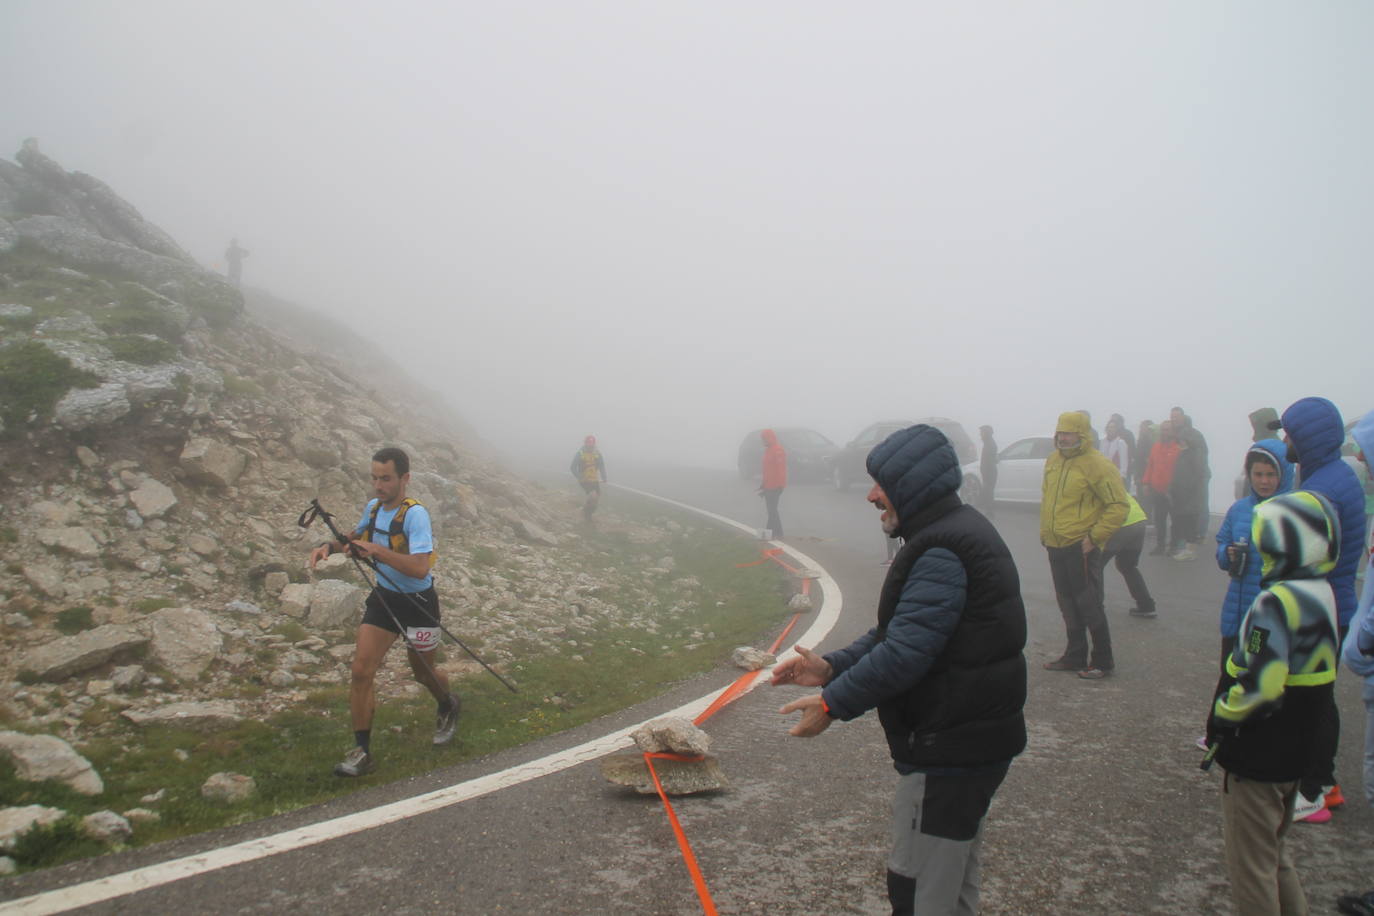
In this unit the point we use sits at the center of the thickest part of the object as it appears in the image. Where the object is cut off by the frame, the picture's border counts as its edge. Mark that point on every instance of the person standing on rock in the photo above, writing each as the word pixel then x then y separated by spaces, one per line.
pixel 774 479
pixel 234 255
pixel 944 668
pixel 395 533
pixel 590 470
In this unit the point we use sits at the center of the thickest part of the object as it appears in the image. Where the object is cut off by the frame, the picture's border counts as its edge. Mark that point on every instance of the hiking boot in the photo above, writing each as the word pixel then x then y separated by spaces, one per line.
pixel 1094 674
pixel 1062 664
pixel 356 762
pixel 446 720
pixel 1334 798
pixel 1137 612
pixel 1310 810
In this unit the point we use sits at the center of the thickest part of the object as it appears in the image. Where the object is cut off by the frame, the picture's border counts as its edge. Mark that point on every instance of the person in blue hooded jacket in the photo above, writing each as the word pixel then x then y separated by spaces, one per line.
pixel 1315 433
pixel 1269 473
pixel 944 668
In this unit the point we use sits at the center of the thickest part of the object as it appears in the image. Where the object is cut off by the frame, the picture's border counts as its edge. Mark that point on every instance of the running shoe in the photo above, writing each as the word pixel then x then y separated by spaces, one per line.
pixel 1334 798
pixel 446 720
pixel 1137 612
pixel 1187 553
pixel 356 762
pixel 1310 810
pixel 1094 674
pixel 1202 743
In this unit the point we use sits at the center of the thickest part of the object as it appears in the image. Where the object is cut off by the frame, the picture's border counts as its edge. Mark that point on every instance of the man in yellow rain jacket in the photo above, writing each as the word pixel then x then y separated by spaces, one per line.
pixel 1082 506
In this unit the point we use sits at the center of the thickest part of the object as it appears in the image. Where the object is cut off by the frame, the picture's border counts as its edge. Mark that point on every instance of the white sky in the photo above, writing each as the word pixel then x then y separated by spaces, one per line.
pixel 668 223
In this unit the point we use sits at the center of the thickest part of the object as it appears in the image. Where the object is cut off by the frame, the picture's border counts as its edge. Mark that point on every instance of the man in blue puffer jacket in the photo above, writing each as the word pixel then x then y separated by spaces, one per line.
pixel 1241 591
pixel 943 668
pixel 1315 433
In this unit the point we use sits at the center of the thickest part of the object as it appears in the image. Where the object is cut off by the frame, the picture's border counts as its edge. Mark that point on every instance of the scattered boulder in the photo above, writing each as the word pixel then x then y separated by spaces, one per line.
pixel 212 463
pixel 800 603
pixel 529 531
pixel 295 600
pixel 184 641
pixel 334 602
pixel 229 788
pixel 74 541
pixel 61 658
pixel 142 816
pixel 106 826
pixel 82 408
pixel 153 499
pixel 678 777
pixel 15 822
pixel 37 758
pixel 127 677
pixel 752 659
pixel 46 578
pixel 203 716
pixel 672 734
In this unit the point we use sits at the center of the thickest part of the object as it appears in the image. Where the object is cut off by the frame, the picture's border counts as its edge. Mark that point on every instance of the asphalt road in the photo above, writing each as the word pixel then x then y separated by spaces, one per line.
pixel 1106 811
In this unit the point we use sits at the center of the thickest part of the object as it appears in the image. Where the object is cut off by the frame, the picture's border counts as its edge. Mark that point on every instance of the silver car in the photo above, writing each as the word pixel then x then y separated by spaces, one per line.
pixel 1020 472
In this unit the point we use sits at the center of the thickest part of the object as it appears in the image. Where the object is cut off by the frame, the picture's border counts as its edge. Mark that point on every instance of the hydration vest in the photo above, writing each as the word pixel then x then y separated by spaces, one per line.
pixel 396 535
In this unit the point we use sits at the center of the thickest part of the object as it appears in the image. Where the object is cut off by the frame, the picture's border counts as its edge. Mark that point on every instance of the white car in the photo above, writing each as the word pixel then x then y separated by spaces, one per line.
pixel 1020 472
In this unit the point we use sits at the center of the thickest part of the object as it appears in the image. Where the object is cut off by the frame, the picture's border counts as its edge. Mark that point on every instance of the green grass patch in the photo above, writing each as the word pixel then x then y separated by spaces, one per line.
pixel 292 630
pixel 243 387
pixel 148 605
pixel 74 620
pixel 141 349
pixel 291 755
pixel 33 379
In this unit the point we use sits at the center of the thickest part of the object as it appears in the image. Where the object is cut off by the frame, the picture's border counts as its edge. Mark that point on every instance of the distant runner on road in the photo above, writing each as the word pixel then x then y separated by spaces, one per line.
pixel 590 470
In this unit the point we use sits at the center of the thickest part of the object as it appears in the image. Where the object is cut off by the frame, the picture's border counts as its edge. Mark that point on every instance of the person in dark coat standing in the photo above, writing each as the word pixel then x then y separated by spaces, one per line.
pixel 1186 492
pixel 943 667
pixel 234 255
pixel 987 469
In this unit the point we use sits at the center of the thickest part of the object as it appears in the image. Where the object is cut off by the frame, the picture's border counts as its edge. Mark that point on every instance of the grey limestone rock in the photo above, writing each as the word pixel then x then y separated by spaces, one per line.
pixel 295 599
pixel 673 734
pixel 106 826
pixel 228 788
pixel 206 716
pixel 61 658
pixel 334 602
pixel 74 541
pixel 37 758
pixel 82 408
pixel 184 641
pixel 211 462
pixel 15 822
pixel 153 499
pixel 751 659
pixel 678 777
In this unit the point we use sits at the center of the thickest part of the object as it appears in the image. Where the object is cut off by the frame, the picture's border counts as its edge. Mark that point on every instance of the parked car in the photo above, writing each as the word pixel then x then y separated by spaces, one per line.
pixel 809 454
pixel 849 468
pixel 1020 472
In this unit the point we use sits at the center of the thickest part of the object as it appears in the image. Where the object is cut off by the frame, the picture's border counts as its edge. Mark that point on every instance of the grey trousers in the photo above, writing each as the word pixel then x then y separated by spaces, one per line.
pixel 1256 817
pixel 937 837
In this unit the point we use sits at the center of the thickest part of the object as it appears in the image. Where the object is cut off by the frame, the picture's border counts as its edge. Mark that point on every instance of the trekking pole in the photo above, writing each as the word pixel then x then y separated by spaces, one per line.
pixel 315 511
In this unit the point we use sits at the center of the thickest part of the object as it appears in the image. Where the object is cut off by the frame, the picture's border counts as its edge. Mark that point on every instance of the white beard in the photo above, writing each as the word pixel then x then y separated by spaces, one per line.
pixel 891 525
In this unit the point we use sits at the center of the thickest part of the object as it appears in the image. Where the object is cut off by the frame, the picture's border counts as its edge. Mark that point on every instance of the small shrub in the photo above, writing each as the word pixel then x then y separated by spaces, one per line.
pixel 74 620
pixel 148 605
pixel 28 677
pixel 484 555
pixel 141 349
pixel 293 631
pixel 54 843
pixel 9 536
pixel 243 387
pixel 33 379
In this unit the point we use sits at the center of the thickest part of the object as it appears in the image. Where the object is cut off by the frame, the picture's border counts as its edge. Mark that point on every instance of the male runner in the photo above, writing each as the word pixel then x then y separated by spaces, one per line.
pixel 404 597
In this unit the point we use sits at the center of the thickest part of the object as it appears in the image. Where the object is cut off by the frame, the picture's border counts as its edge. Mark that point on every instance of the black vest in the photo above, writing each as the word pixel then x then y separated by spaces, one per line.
pixel 966 711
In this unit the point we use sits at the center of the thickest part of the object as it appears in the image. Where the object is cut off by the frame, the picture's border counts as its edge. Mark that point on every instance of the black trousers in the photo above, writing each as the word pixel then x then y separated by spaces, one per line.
pixel 1125 547
pixel 774 523
pixel 1078 589
pixel 1159 513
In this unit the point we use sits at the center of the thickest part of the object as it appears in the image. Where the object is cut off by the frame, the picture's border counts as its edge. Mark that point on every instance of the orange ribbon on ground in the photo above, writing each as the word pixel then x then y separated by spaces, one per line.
pixel 727 696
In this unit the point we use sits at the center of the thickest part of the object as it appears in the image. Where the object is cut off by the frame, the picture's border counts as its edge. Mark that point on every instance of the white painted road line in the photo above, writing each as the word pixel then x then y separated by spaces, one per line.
pixel 130 882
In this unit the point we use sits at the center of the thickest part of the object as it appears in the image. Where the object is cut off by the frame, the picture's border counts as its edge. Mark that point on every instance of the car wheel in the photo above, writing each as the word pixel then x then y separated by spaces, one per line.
pixel 838 479
pixel 971 490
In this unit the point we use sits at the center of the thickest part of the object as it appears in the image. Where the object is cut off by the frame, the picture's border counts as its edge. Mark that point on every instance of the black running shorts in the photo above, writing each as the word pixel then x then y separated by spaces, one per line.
pixel 418 612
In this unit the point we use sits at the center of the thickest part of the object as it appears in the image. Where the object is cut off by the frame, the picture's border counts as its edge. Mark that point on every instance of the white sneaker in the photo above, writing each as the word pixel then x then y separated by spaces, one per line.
pixel 1304 807
pixel 1186 553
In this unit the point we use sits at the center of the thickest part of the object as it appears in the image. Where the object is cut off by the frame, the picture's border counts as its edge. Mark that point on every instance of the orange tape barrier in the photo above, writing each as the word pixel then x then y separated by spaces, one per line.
pixel 727 696
pixel 698 880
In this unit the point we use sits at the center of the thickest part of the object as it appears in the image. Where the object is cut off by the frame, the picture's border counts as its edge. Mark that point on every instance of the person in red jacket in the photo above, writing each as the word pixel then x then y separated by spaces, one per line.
pixel 774 479
pixel 1159 476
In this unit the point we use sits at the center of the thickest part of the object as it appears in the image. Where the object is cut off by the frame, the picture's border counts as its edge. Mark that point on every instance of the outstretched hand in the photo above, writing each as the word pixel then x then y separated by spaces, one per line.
pixel 814 718
pixel 805 669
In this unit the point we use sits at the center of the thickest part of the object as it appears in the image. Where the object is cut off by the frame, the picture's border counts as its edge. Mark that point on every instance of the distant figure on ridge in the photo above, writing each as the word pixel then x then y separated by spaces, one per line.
pixel 987 468
pixel 234 255
pixel 774 480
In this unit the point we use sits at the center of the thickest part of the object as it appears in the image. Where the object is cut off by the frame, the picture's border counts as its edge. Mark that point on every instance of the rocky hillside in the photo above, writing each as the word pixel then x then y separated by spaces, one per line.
pixel 157 448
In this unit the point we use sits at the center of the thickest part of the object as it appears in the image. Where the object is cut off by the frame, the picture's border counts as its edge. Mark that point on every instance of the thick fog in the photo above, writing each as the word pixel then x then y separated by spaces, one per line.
pixel 669 223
